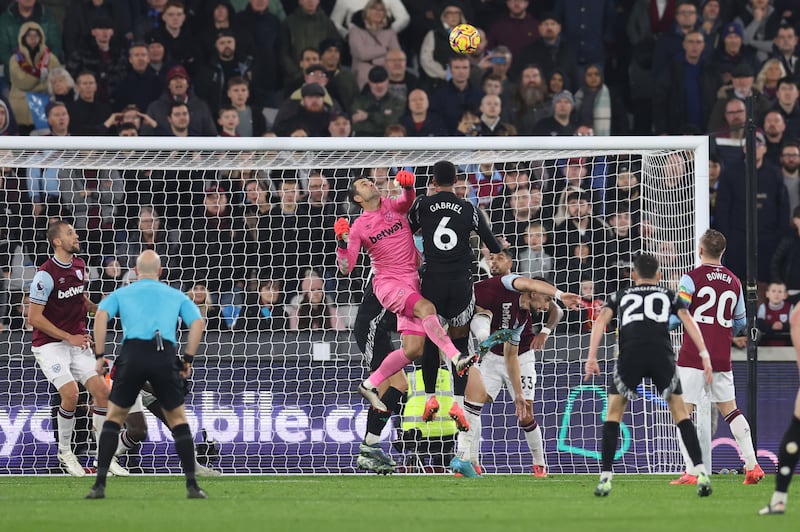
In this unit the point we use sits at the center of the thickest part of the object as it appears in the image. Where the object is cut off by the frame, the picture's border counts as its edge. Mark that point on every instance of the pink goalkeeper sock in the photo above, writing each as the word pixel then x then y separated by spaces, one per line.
pixel 437 335
pixel 394 362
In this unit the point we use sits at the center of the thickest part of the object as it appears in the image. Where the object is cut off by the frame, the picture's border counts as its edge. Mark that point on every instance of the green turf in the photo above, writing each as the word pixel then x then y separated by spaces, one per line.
pixel 382 504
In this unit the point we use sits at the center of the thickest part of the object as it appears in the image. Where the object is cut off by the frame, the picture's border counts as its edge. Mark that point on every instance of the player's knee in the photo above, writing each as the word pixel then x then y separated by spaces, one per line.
pixel 136 426
pixel 424 307
pixel 69 398
pixel 480 325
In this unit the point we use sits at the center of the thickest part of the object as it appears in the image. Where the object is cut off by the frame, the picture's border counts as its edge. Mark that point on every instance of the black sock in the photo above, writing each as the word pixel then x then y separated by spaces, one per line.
pixel 376 419
pixel 184 447
pixel 109 435
pixel 689 435
pixel 610 437
pixel 460 381
pixel 788 461
pixel 430 366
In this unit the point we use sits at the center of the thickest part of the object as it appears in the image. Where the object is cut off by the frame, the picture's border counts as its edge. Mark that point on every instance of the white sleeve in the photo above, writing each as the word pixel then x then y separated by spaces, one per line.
pixel 431 67
pixel 399 14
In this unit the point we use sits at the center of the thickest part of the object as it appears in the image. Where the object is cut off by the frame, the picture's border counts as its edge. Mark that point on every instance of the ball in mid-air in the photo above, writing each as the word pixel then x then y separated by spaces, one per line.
pixel 465 38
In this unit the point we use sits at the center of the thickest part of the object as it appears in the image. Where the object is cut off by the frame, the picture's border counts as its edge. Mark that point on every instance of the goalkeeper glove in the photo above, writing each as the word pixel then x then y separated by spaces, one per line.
pixel 342 228
pixel 405 179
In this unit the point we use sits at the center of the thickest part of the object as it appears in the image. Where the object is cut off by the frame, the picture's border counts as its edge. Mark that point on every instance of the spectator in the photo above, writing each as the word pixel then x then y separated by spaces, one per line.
pixel 370 37
pixel 181 46
pixel 549 53
pixel 784 48
pixel 200 296
pixel 589 26
pixel 419 121
pixel 257 207
pixel 516 30
pixel 343 81
pixel 308 57
pixel 311 309
pixel 265 311
pixel 149 20
pixel 28 70
pixel 786 103
pixel 490 122
pixel 496 86
pixel 262 28
pixel 311 114
pixel 452 97
pixel 598 106
pixel 785 263
pixel 60 85
pixel 102 55
pixel 221 15
pixel 315 218
pixel 711 22
pixel 732 52
pixel 525 207
pixel 742 88
pixel 760 21
pixel 284 249
pixel 111 277
pixel 768 77
pixel 228 121
pixel 87 114
pixel 669 44
pixel 315 73
pixel 141 86
pixel 339 124
pixel 57 119
pixel 790 167
pixel 344 10
pixel 131 118
pixel 774 129
pixel 179 90
pixel 486 182
pixel 8 124
pixel 580 228
pixel 772 318
pixel 251 117
pixel 375 108
pixel 81 14
pixel 228 63
pixel 159 61
pixel 305 28
pixel 533 260
pixel 435 53
pixel 515 175
pixel 773 211
pixel 19 13
pixel 560 123
pixel 626 192
pixel 557 82
pixel 529 101
pixel 624 242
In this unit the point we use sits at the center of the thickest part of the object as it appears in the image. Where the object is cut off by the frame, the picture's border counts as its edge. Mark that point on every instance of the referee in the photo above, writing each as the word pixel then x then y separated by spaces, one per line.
pixel 149 312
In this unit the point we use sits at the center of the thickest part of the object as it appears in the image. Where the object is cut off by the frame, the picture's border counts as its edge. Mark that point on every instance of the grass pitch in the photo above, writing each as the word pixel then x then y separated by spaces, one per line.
pixel 384 504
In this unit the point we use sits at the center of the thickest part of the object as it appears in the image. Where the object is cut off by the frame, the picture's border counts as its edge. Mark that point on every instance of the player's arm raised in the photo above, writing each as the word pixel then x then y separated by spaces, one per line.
pixel 554 315
pixel 598 330
pixel 407 180
pixel 511 360
pixel 347 252
pixel 691 328
pixel 525 284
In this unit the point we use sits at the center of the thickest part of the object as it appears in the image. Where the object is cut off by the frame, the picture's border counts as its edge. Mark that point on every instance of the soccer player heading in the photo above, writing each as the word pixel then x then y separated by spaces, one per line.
pixel 645 350
pixel 716 302
pixel 383 231
pixel 61 345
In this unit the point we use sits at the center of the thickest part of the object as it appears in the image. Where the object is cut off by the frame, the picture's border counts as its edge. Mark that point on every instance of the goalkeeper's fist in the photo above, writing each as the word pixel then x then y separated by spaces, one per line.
pixel 341 227
pixel 405 179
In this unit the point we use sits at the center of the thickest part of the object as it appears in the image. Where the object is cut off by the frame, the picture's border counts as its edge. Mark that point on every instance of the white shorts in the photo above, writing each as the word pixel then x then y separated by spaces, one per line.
pixel 62 363
pixel 692 382
pixel 495 375
pixel 137 405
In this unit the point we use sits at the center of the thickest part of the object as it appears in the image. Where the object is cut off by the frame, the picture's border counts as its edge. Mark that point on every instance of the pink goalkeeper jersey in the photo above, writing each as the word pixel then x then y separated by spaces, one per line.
pixel 386 236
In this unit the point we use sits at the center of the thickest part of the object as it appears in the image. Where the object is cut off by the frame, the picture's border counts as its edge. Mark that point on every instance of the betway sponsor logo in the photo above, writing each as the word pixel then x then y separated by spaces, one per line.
pixel 386 232
pixel 253 420
pixel 69 292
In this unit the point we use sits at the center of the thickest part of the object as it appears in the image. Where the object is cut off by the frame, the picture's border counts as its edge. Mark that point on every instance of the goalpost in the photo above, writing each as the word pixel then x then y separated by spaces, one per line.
pixel 278 395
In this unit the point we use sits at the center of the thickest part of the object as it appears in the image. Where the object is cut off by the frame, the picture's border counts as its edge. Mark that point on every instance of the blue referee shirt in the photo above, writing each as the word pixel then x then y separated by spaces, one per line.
pixel 147 306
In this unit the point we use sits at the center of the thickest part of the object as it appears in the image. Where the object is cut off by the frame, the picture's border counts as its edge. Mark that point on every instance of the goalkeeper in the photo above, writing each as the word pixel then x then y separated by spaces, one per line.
pixel 383 231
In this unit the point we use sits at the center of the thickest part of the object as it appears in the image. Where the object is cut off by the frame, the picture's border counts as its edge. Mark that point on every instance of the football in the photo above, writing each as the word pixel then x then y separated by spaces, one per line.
pixel 464 38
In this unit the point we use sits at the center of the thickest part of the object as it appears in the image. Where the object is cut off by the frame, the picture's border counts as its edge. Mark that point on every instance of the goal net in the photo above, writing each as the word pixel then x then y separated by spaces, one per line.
pixel 244 226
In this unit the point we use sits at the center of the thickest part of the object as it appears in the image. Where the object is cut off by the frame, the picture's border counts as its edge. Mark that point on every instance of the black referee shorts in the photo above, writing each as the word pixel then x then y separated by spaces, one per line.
pixel 453 295
pixel 139 362
pixel 633 366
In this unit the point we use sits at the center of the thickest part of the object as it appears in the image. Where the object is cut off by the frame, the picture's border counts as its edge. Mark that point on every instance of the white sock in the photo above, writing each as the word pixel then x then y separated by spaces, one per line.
pixel 606 475
pixel 371 439
pixel 428 396
pixel 480 326
pixel 741 431
pixel 98 418
pixel 534 439
pixel 464 444
pixel 124 444
pixel 475 431
pixel 690 469
pixel 778 498
pixel 66 426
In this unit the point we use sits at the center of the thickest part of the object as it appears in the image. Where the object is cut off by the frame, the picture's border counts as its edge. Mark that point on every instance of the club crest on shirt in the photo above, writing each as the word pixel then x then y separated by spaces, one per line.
pixel 60 280
pixel 388 216
pixel 56 368
pixel 79 273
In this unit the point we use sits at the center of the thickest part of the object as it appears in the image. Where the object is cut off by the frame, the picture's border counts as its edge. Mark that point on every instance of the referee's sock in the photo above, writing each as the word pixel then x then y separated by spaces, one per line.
pixel 106 447
pixel 184 446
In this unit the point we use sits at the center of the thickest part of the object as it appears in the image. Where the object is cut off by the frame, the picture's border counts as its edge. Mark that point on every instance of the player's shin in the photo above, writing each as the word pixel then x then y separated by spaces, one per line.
pixel 66 426
pixel 377 420
pixel 184 447
pixel 687 461
pixel 689 435
pixel 98 419
pixel 107 444
pixel 438 336
pixel 788 456
pixel 394 362
pixel 610 439
pixel 475 428
pixel 533 436
pixel 740 429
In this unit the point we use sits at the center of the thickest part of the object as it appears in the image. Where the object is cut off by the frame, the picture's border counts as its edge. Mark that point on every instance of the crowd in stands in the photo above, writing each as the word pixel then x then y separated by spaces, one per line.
pixel 384 68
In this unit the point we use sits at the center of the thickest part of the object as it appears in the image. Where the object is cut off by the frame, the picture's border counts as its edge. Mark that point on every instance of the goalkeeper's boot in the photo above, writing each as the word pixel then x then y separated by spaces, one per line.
pixel 477 469
pixel 371 395
pixel 457 414
pixel 202 471
pixel 431 408
pixel 703 485
pixel 372 464
pixel 463 362
pixel 539 471
pixel 71 465
pixel 753 476
pixel 97 492
pixel 603 488
pixel 497 337
pixel 376 453
pixel 685 478
pixel 773 509
pixel 117 470
pixel 195 492
pixel 465 467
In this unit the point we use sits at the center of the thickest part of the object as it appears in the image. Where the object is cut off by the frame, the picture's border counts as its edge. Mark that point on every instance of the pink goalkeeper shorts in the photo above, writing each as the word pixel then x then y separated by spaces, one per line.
pixel 399 295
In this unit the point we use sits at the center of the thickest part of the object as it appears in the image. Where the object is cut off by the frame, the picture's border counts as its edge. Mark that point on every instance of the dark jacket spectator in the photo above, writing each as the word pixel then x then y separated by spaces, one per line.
pixel 589 26
pixel 178 89
pixel 301 30
pixel 103 55
pixel 82 13
pixel 12 19
pixel 550 52
pixel 141 86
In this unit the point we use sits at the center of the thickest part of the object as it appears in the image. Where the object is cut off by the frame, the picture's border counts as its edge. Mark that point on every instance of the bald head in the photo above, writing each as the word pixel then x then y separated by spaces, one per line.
pixel 148 265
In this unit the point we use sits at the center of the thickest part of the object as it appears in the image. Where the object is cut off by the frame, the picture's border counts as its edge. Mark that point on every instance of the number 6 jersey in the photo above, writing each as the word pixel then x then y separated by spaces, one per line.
pixel 714 296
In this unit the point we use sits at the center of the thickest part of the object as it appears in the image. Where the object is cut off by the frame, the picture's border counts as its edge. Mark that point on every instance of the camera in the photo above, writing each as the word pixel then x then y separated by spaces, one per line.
pixel 498 60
